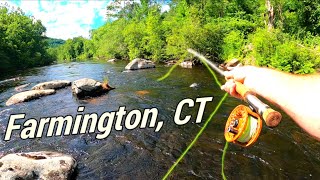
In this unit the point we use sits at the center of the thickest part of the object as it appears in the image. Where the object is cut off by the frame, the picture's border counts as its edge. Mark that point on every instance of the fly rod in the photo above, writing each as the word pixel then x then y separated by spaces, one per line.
pixel 244 123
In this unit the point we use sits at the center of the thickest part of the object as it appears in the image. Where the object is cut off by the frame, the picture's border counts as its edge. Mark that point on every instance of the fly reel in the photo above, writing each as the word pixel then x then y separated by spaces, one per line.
pixel 243 126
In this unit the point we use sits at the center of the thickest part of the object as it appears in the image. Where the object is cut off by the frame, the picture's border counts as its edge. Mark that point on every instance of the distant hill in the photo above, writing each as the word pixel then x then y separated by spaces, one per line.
pixel 53 42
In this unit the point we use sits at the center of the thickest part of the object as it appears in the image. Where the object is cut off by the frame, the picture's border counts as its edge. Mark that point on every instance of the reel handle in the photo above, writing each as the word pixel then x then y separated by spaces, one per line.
pixel 270 116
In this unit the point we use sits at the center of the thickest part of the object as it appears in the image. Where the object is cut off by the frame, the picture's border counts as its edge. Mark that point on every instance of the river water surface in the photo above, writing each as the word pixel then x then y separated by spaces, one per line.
pixel 285 152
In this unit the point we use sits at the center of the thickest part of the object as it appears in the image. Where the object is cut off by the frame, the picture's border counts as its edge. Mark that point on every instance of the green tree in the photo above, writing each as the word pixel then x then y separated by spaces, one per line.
pixel 22 42
pixel 108 40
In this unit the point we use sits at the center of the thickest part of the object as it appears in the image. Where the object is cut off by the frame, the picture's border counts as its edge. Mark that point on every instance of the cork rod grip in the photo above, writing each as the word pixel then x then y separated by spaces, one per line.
pixel 242 89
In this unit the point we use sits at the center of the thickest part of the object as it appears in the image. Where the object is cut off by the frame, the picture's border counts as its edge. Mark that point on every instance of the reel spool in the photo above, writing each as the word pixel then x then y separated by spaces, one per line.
pixel 243 126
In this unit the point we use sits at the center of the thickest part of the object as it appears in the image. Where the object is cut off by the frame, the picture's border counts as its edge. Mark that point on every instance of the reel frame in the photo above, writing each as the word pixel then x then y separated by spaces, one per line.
pixel 237 123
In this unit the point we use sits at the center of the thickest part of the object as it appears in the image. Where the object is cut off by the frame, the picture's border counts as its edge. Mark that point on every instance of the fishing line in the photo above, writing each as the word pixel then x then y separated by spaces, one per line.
pixel 170 71
pixel 203 127
pixel 196 138
pixel 222 160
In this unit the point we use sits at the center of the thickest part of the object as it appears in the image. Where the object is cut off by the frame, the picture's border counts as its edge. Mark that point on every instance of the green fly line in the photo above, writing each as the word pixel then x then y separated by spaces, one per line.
pixel 222 160
pixel 170 71
pixel 203 127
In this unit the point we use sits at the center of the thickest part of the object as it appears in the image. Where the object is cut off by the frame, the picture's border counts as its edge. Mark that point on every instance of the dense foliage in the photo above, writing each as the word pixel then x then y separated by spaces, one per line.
pixel 277 33
pixel 283 34
pixel 21 41
pixel 77 48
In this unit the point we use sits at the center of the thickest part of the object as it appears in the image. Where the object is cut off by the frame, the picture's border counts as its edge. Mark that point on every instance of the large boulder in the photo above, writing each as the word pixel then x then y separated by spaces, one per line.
pixel 37 165
pixel 28 95
pixel 140 64
pixel 89 87
pixel 57 84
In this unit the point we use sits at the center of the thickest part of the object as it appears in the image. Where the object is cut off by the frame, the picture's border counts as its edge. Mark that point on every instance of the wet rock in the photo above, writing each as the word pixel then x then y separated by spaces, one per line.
pixel 9 80
pixel 140 64
pixel 112 60
pixel 52 85
pixel 194 85
pixel 187 64
pixel 171 63
pixel 21 87
pixel 28 95
pixel 89 87
pixel 37 165
pixel 234 62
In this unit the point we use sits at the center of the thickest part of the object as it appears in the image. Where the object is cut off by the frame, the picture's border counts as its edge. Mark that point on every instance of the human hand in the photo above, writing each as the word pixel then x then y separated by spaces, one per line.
pixel 237 74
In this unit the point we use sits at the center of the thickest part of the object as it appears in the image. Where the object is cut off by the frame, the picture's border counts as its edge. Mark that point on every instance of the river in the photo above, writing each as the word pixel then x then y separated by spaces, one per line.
pixel 285 152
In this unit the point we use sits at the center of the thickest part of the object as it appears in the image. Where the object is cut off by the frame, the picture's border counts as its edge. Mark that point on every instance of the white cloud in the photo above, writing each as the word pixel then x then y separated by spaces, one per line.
pixel 65 19
pixel 165 7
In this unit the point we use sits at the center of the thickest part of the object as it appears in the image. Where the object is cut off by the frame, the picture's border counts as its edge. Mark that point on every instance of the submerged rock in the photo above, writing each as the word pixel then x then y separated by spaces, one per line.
pixel 57 84
pixel 142 92
pixel 28 95
pixel 37 165
pixel 21 87
pixel 140 64
pixel 89 87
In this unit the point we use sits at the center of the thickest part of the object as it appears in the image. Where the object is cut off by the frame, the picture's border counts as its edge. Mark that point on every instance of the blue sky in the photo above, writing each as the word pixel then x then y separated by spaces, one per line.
pixel 65 19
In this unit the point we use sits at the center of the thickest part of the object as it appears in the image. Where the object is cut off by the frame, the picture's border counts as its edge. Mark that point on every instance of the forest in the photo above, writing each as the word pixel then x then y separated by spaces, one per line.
pixel 282 34
pixel 22 44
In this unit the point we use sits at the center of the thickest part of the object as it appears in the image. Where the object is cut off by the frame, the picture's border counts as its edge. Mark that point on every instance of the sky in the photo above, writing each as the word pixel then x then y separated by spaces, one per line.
pixel 65 19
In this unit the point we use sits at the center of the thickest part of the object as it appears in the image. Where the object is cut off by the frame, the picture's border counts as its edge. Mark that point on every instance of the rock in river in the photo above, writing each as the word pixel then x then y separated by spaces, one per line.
pixel 112 60
pixel 187 64
pixel 52 85
pixel 21 87
pixel 140 64
pixel 37 165
pixel 194 85
pixel 28 95
pixel 234 62
pixel 89 87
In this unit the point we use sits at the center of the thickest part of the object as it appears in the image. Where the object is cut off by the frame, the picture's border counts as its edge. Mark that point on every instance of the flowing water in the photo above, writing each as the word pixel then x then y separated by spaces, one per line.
pixel 280 153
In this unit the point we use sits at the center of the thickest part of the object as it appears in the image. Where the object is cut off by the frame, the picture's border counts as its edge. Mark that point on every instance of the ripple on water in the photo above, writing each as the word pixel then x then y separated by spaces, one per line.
pixel 142 153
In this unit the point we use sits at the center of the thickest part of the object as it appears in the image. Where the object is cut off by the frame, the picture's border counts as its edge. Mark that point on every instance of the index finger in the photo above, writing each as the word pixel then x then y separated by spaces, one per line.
pixel 228 75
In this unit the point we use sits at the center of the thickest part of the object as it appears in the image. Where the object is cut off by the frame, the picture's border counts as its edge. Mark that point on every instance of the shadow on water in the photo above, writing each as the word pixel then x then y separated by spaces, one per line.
pixel 285 152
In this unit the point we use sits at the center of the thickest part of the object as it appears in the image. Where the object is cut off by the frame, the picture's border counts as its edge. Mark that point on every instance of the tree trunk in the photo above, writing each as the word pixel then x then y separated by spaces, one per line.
pixel 270 15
